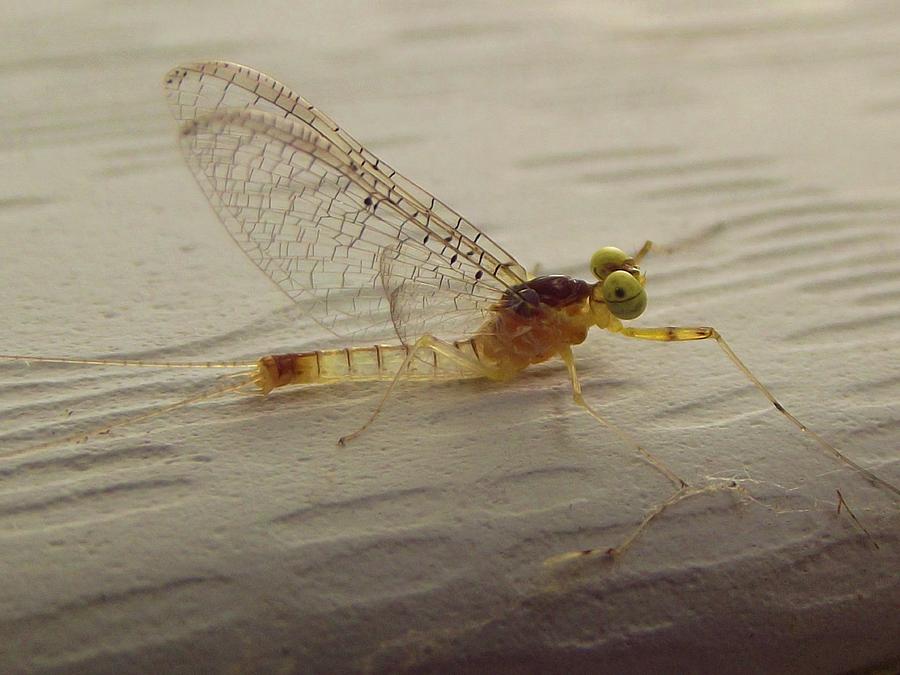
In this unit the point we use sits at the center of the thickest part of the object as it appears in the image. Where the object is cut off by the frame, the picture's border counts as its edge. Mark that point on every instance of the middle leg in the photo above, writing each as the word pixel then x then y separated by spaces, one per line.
pixel 683 489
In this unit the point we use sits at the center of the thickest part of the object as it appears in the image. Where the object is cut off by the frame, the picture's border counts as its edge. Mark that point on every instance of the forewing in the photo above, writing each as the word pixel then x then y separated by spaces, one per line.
pixel 321 229
pixel 196 90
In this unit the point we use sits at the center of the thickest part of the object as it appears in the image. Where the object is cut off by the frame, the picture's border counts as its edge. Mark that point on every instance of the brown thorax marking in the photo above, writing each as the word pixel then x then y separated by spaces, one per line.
pixel 556 291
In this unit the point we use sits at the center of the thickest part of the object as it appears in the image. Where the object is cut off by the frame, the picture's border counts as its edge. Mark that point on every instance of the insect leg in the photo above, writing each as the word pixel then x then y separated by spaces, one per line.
pixel 438 346
pixel 655 462
pixel 654 513
pixel 681 334
pixel 683 489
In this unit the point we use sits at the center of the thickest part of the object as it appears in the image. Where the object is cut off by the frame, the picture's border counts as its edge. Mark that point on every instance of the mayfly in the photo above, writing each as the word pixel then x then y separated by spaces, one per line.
pixel 372 255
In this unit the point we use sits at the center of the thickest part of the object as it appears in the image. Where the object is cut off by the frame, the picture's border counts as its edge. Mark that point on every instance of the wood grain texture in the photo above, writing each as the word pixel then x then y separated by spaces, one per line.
pixel 761 141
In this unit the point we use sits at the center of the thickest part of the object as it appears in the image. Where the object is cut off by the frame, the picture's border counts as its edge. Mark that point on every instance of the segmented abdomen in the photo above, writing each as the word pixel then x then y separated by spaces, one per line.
pixel 379 362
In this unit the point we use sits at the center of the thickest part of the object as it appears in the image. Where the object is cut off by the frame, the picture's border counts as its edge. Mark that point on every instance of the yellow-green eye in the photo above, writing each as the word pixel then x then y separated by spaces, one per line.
pixel 607 259
pixel 624 295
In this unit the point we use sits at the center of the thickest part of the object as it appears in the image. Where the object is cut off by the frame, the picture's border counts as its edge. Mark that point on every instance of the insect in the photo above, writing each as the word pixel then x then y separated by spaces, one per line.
pixel 370 255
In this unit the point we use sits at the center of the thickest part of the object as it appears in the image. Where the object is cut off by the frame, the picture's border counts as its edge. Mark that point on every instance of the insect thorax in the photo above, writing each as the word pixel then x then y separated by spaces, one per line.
pixel 533 320
pixel 556 291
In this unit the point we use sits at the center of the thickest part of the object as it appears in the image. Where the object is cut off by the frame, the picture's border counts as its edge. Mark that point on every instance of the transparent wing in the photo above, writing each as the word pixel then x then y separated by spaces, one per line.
pixel 440 272
pixel 301 212
pixel 420 303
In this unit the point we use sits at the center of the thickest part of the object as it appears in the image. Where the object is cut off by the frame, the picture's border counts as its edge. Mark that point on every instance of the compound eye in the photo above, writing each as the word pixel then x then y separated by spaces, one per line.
pixel 607 259
pixel 624 295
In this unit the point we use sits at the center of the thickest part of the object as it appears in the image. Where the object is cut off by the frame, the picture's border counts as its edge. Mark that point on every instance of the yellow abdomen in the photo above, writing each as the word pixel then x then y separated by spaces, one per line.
pixel 379 362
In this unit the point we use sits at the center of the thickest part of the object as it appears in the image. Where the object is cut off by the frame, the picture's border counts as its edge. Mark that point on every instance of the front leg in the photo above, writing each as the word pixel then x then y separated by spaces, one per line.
pixel 684 334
